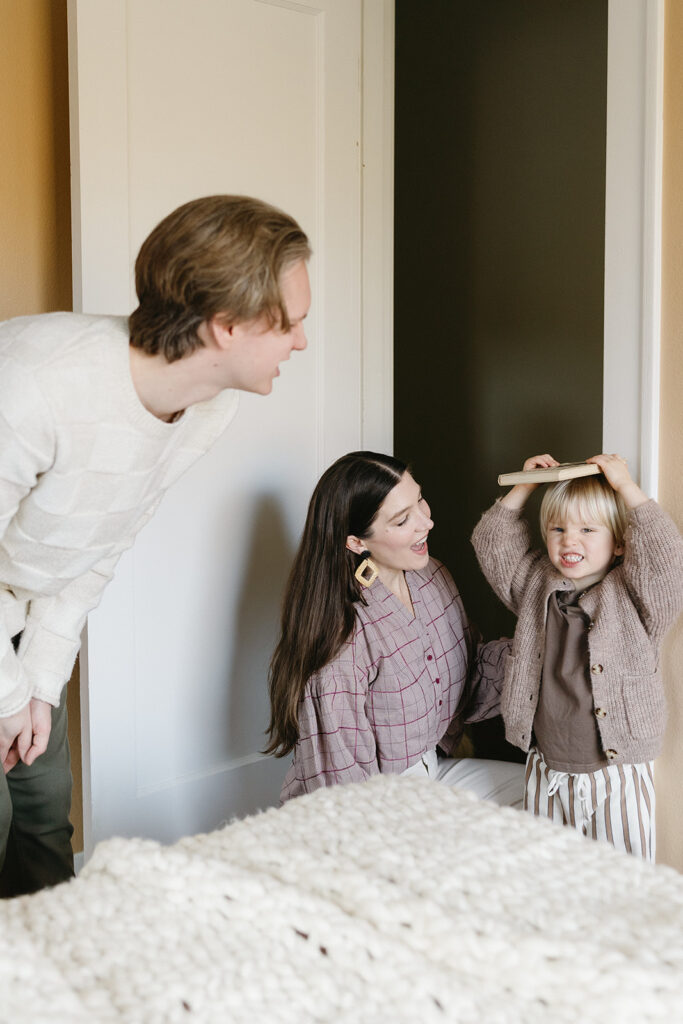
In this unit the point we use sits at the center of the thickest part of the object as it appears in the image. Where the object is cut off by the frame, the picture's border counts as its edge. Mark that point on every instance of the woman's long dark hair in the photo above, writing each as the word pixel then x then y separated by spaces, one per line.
pixel 318 609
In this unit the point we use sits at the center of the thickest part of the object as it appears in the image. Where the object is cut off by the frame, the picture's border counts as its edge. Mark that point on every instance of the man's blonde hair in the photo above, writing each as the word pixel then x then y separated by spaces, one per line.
pixel 217 254
pixel 592 498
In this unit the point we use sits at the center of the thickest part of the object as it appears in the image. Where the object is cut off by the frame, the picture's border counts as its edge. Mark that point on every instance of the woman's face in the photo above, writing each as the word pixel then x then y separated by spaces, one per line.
pixel 398 539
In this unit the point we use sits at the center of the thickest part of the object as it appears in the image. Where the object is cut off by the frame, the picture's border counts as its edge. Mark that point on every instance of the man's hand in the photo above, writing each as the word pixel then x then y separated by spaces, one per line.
pixel 24 736
pixel 41 718
pixel 16 732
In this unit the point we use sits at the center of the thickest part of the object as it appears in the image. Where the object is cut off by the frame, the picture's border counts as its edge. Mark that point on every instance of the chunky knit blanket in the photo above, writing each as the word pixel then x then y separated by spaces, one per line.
pixel 389 901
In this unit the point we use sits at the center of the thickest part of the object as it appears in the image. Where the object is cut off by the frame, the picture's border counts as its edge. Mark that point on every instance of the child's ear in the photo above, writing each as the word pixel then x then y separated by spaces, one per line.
pixel 618 550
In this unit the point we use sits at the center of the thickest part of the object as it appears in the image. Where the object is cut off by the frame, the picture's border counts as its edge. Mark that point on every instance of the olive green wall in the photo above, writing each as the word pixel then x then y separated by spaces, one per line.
pixel 500 180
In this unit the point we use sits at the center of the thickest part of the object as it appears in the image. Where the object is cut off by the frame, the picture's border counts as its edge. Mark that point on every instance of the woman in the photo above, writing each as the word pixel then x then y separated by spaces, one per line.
pixel 377 664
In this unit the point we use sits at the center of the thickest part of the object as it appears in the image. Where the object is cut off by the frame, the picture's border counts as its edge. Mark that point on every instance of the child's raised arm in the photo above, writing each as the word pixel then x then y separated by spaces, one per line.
pixel 653 559
pixel 518 495
pixel 616 472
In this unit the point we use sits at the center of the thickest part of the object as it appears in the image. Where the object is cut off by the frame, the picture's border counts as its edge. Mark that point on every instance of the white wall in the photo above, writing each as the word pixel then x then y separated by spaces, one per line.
pixel 262 97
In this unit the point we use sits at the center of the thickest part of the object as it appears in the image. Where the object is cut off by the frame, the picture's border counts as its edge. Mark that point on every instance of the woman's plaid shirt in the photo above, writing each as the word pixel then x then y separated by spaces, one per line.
pixel 399 686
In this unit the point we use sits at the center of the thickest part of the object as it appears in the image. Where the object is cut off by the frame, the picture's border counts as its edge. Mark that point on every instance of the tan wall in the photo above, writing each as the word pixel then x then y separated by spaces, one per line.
pixel 35 219
pixel 35 256
pixel 670 766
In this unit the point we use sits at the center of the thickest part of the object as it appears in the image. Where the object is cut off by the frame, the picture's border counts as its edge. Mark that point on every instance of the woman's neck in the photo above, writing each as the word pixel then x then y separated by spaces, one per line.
pixel 396 582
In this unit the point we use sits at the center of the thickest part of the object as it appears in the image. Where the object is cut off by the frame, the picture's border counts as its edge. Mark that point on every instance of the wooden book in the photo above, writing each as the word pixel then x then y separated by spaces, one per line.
pixel 565 471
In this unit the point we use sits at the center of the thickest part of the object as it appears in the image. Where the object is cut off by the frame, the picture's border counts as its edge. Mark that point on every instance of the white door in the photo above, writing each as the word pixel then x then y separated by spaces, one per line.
pixel 173 99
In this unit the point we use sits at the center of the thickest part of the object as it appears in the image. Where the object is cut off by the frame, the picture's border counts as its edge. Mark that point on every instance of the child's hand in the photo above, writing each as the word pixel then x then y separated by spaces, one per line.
pixel 615 469
pixel 540 462
pixel 517 496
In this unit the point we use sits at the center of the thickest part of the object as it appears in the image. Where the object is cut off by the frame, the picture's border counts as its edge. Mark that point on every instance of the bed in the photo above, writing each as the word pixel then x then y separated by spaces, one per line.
pixel 395 900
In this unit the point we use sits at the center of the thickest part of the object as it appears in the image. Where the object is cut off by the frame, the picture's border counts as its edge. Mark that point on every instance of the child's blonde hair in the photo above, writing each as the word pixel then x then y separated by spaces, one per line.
pixel 595 500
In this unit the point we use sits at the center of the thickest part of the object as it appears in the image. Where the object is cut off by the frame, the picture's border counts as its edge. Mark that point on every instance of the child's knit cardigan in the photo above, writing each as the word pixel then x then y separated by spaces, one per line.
pixel 629 612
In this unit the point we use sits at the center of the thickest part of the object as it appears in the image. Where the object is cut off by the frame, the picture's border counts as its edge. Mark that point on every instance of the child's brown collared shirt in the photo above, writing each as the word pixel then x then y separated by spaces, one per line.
pixel 565 728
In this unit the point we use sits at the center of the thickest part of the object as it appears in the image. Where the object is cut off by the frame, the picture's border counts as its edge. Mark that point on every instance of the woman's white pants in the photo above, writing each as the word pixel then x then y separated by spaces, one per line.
pixel 498 781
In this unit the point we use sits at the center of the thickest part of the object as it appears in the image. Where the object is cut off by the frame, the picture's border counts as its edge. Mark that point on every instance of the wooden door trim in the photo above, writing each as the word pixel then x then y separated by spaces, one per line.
pixel 633 231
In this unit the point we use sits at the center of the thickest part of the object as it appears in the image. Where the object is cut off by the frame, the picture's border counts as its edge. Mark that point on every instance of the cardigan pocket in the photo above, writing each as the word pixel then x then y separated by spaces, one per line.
pixel 645 704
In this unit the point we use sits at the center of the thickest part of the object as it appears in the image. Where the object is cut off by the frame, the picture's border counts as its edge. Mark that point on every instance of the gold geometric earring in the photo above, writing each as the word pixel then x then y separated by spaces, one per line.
pixel 366 566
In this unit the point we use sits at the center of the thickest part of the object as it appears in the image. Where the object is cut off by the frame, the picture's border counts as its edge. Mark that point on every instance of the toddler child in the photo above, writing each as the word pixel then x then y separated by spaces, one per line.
pixel 583 691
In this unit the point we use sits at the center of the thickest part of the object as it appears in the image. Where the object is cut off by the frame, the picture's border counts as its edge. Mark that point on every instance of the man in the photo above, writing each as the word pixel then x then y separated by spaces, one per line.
pixel 98 416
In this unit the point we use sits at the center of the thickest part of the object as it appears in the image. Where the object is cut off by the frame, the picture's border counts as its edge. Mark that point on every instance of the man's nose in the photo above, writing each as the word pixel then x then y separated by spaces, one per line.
pixel 299 340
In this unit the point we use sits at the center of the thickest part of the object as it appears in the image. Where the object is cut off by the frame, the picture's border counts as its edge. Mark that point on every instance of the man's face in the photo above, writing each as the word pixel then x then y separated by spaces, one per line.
pixel 257 349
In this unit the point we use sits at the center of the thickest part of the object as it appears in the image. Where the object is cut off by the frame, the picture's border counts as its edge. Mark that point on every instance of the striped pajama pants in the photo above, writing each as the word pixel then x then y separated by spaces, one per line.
pixel 615 803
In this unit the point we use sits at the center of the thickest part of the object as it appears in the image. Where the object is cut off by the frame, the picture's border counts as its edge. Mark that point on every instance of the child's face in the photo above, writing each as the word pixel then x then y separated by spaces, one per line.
pixel 580 548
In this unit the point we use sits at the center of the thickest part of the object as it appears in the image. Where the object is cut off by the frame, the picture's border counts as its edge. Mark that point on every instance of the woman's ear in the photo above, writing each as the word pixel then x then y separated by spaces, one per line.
pixel 356 545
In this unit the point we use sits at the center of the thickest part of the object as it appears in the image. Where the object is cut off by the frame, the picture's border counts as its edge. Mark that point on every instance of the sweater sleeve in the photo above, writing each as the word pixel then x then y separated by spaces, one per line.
pixel 502 543
pixel 653 566
pixel 485 680
pixel 52 635
pixel 482 692
pixel 336 741
pixel 27 445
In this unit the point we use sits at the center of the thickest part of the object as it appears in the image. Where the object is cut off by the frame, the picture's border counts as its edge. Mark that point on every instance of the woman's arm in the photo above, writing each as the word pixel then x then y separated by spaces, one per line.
pixel 482 691
pixel 482 680
pixel 336 741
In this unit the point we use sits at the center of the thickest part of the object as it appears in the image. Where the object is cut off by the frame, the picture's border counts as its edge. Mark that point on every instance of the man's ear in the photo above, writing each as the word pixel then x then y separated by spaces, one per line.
pixel 356 545
pixel 219 330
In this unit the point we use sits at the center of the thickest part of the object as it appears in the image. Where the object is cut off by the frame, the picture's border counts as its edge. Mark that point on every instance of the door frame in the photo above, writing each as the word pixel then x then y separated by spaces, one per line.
pixel 632 243
pixel 377 226
pixel 633 233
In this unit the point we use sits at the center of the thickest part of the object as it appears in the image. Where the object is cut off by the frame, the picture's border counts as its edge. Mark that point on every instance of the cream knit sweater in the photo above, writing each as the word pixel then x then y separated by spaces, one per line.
pixel 83 466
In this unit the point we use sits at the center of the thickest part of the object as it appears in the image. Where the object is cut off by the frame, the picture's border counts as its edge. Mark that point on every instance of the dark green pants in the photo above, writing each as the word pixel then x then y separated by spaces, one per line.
pixel 35 831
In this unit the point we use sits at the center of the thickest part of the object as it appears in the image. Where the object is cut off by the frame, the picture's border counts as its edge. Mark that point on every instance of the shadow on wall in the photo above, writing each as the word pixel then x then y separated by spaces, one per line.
pixel 257 625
